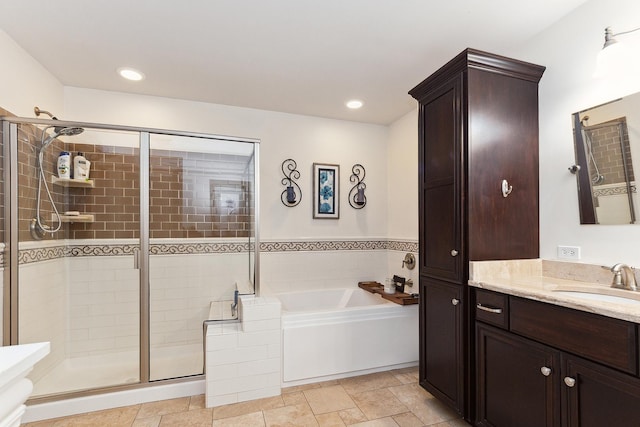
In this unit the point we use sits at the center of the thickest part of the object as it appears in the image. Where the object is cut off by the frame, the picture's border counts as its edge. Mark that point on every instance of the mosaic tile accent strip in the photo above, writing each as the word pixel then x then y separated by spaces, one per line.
pixel 344 245
pixel 199 248
pixel 43 254
pixel 613 191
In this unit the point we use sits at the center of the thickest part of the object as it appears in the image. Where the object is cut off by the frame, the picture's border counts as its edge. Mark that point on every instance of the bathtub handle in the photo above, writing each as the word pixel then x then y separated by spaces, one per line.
pixel 455 301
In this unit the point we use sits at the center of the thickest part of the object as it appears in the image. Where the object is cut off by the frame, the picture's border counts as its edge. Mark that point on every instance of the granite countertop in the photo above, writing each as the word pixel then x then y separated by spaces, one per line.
pixel 538 283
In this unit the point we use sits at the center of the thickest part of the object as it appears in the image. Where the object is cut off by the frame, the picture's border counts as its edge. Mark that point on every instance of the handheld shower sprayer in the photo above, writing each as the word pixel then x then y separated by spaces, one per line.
pixel 37 227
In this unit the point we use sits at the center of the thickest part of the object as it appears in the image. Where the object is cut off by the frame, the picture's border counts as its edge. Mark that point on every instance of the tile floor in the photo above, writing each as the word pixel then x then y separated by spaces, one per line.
pixel 384 399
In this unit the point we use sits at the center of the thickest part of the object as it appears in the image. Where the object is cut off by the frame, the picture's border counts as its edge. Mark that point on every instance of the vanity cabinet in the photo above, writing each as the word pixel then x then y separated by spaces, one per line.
pixel 478 196
pixel 550 380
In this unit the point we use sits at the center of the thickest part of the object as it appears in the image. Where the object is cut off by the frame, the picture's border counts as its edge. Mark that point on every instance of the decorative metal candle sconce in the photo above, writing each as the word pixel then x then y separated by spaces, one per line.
pixel 290 197
pixel 357 199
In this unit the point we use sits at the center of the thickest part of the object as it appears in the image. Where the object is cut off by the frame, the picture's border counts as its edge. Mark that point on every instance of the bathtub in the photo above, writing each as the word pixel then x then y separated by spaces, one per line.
pixel 336 333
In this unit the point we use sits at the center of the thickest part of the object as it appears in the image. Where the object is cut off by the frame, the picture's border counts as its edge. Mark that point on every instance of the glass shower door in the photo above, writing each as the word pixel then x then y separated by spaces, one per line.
pixel 78 285
pixel 200 220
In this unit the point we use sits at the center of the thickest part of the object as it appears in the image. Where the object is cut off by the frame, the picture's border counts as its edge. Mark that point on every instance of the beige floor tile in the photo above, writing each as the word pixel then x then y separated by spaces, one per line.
pixel 294 398
pixel 290 416
pixel 328 399
pixel 110 417
pixel 352 416
pixel 382 422
pixel 408 419
pixel 193 418
pixel 197 402
pixel 453 423
pixel 254 419
pixel 44 423
pixel 332 419
pixel 379 403
pixel 147 422
pixel 163 407
pixel 298 388
pixel 427 408
pixel 243 408
pixel 375 381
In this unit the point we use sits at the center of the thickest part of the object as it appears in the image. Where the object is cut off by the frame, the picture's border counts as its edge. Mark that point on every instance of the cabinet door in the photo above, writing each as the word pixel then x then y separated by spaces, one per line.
pixel 517 381
pixel 502 145
pixel 441 341
pixel 440 216
pixel 597 396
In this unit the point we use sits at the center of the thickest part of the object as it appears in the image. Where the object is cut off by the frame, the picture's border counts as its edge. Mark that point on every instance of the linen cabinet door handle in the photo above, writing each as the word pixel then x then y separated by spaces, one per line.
pixel 455 301
pixel 454 252
pixel 489 309
pixel 570 382
pixel 545 371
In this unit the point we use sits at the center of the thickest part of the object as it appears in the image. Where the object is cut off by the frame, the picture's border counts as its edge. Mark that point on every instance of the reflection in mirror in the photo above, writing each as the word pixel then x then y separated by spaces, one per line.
pixel 607 141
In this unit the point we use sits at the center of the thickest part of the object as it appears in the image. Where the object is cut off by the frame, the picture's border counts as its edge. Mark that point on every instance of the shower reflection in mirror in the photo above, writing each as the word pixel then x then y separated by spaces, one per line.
pixel 606 181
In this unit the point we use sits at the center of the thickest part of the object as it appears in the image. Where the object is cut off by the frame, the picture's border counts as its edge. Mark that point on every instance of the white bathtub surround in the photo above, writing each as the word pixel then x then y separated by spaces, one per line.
pixel 348 332
pixel 243 358
pixel 15 363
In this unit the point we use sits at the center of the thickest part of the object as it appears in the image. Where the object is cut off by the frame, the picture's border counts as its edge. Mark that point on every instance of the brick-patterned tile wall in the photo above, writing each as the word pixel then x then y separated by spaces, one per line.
pixel 607 152
pixel 186 191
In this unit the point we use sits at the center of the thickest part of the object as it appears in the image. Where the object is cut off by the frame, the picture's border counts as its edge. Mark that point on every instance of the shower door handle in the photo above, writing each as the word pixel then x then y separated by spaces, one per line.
pixel 136 259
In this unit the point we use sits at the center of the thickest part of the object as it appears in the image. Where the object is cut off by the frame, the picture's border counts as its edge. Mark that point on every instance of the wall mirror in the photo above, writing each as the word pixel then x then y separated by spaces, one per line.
pixel 607 148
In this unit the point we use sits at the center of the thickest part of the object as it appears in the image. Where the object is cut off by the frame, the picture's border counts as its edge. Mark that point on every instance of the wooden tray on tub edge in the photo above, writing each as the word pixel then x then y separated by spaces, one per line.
pixel 399 297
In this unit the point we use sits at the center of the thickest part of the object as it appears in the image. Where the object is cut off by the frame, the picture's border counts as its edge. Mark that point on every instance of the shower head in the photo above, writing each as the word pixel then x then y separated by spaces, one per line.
pixel 71 131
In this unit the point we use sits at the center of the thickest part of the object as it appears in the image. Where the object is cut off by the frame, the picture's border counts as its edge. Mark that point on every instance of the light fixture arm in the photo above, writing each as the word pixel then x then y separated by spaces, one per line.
pixel 609 35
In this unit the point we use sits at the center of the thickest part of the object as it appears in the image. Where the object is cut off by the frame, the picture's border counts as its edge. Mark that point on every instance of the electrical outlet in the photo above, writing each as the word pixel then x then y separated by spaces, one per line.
pixel 569 252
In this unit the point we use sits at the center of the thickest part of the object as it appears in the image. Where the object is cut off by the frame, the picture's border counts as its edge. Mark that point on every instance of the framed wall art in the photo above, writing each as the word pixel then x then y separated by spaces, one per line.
pixel 326 191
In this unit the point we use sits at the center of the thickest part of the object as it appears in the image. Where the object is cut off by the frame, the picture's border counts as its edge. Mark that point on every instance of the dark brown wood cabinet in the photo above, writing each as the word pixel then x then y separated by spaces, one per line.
pixel 528 375
pixel 477 126
pixel 442 366
pixel 513 389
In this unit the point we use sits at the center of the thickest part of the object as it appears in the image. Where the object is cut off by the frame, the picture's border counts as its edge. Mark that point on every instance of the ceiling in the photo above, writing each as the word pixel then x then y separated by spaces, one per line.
pixel 296 56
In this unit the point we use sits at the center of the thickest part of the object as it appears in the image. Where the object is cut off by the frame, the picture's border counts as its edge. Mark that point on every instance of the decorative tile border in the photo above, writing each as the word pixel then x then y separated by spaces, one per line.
pixel 614 191
pixel 27 256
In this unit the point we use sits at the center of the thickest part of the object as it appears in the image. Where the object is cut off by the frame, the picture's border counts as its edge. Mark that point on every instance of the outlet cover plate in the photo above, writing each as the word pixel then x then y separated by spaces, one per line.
pixel 569 252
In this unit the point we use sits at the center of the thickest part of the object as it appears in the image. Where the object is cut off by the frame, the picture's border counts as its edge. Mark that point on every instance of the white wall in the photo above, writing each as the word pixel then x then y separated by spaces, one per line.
pixel 303 138
pixel 568 49
pixel 24 83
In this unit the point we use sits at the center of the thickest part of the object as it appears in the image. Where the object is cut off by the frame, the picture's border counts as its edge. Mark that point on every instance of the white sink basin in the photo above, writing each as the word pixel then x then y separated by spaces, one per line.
pixel 604 296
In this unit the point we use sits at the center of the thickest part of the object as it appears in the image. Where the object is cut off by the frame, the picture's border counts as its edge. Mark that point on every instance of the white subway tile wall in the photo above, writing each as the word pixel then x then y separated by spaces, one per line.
pixel 245 364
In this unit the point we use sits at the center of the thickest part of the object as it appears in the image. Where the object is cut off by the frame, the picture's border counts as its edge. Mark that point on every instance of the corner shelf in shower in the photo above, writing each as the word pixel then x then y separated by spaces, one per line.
pixel 77 183
pixel 74 218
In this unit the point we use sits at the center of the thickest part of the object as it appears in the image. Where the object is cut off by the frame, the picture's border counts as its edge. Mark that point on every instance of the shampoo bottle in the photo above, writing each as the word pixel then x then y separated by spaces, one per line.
pixel 80 167
pixel 64 165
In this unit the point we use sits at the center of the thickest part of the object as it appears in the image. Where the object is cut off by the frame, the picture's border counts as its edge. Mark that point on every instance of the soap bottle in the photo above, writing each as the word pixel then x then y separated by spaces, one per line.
pixel 64 165
pixel 81 167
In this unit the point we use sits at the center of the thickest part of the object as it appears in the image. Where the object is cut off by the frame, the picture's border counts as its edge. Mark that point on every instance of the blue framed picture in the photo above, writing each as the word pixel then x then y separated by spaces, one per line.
pixel 326 191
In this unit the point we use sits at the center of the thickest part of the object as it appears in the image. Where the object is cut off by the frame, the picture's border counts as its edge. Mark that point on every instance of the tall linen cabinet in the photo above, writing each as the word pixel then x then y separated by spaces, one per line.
pixel 478 200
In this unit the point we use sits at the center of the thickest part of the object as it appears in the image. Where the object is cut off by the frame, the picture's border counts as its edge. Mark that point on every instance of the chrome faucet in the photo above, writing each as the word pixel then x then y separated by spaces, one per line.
pixel 624 277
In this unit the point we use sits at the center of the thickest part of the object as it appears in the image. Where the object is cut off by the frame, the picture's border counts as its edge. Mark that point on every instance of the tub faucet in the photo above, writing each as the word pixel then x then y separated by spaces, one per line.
pixel 234 306
pixel 624 277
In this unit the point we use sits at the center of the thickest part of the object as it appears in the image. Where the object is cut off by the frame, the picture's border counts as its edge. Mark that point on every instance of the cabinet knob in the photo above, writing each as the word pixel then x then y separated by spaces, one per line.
pixel 454 252
pixel 570 382
pixel 455 301
pixel 545 371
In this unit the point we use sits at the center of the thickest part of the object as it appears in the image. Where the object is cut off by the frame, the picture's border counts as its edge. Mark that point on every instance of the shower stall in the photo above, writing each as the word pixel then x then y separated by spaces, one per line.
pixel 119 271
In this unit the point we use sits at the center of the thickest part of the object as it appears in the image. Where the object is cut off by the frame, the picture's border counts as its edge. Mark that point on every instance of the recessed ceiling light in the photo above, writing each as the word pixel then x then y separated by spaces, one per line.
pixel 354 104
pixel 131 74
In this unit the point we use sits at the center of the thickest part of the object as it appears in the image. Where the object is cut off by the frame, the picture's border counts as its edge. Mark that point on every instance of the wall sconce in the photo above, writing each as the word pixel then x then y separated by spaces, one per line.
pixel 290 197
pixel 357 199
pixel 612 57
